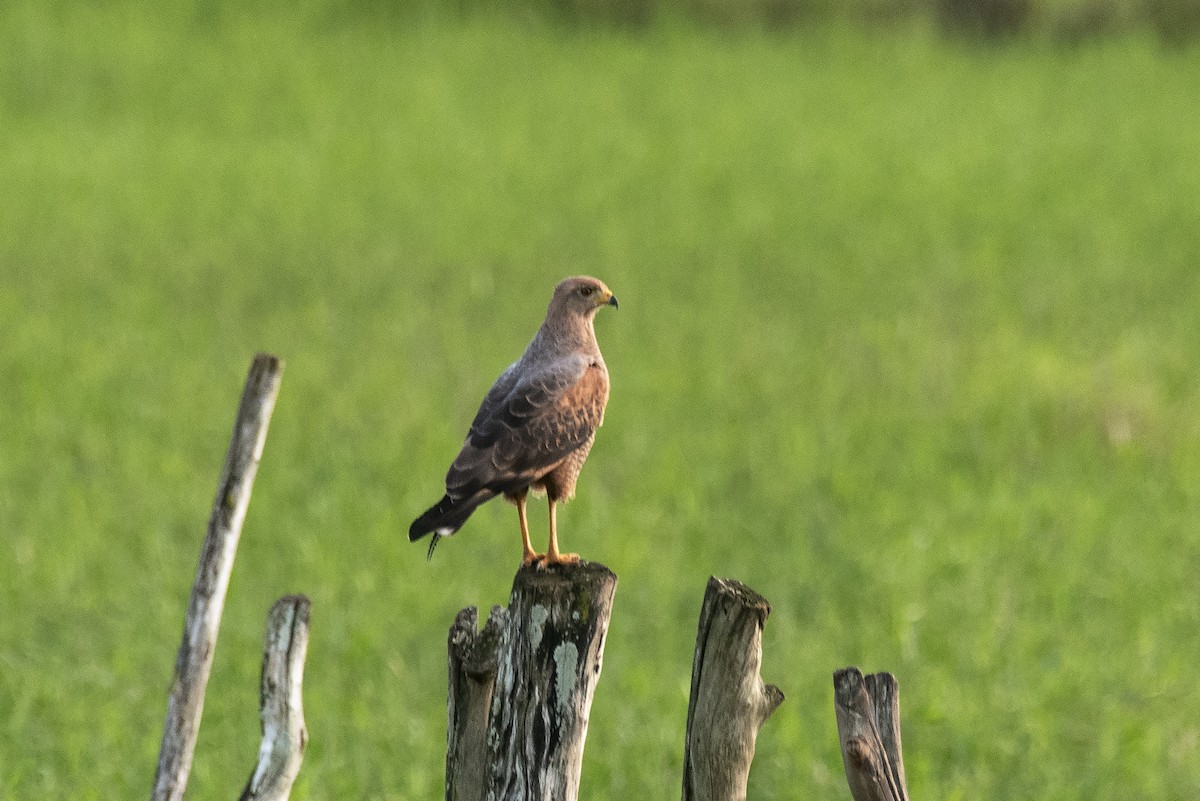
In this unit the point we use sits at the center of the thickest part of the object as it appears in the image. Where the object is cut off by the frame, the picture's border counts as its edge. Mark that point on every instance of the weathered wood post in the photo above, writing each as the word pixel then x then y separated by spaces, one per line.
pixel 548 648
pixel 868 721
pixel 550 657
pixel 473 654
pixel 185 703
pixel 729 701
pixel 280 702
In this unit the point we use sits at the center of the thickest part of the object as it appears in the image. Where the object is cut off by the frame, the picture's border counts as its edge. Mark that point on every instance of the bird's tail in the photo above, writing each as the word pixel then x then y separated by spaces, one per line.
pixel 446 517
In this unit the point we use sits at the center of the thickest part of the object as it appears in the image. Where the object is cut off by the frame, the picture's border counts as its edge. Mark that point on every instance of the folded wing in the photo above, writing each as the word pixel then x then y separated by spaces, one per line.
pixel 524 430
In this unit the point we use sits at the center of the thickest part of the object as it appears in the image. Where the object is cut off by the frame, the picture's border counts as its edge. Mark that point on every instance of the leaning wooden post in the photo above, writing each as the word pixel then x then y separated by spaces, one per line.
pixel 729 701
pixel 280 702
pixel 868 721
pixel 549 662
pixel 186 700
pixel 473 656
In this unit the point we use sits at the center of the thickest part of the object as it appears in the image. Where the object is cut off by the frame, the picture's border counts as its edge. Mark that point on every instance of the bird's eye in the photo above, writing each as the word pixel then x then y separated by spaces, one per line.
pixel 586 290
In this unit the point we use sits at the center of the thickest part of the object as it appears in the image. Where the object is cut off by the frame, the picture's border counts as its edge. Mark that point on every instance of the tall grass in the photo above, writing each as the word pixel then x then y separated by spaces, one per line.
pixel 905 342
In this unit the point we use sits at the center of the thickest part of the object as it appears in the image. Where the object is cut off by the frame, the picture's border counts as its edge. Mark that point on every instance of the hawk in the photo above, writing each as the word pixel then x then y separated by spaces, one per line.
pixel 536 425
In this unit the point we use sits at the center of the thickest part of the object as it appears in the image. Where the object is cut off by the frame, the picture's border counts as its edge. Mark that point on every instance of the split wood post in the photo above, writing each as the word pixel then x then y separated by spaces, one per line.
pixel 549 661
pixel 185 703
pixel 868 721
pixel 473 656
pixel 729 701
pixel 280 701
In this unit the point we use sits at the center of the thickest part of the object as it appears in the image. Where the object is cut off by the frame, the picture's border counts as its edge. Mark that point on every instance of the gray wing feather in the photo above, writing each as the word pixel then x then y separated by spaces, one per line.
pixel 521 428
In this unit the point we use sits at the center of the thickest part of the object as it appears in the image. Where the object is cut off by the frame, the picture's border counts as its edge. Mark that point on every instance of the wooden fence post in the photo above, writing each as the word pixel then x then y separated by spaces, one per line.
pixel 549 658
pixel 185 703
pixel 473 656
pixel 280 701
pixel 729 701
pixel 868 721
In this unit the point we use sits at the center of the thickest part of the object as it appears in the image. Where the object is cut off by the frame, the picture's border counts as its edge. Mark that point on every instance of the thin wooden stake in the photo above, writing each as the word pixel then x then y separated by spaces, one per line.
pixel 185 703
pixel 868 721
pixel 729 701
pixel 281 703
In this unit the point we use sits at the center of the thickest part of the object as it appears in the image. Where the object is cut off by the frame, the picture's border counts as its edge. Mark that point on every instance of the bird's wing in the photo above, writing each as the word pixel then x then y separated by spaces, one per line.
pixel 494 400
pixel 521 433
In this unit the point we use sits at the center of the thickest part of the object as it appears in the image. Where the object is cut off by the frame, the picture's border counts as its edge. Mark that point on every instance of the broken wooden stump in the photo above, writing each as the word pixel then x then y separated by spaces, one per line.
pixel 280 702
pixel 526 684
pixel 549 661
pixel 473 655
pixel 868 721
pixel 729 701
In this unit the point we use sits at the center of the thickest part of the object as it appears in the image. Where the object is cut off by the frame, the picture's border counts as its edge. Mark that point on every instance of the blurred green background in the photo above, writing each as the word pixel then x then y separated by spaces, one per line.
pixel 907 342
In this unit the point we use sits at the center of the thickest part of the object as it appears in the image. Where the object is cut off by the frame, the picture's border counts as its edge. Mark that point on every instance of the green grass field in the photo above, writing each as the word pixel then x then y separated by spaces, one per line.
pixel 907 342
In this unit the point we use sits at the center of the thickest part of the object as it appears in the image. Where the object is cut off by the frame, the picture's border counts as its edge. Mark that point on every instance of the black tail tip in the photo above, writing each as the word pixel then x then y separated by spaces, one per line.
pixel 443 516
pixel 424 526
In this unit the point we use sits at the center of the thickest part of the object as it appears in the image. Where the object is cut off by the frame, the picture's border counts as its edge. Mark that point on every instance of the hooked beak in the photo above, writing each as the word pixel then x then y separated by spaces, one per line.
pixel 612 301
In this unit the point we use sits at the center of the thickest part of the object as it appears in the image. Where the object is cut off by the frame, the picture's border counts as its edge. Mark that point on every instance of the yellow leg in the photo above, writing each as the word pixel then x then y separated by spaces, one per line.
pixel 529 556
pixel 553 557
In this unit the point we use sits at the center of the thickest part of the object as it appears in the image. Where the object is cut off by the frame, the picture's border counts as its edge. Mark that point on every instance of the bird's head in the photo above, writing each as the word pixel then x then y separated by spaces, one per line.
pixel 582 295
